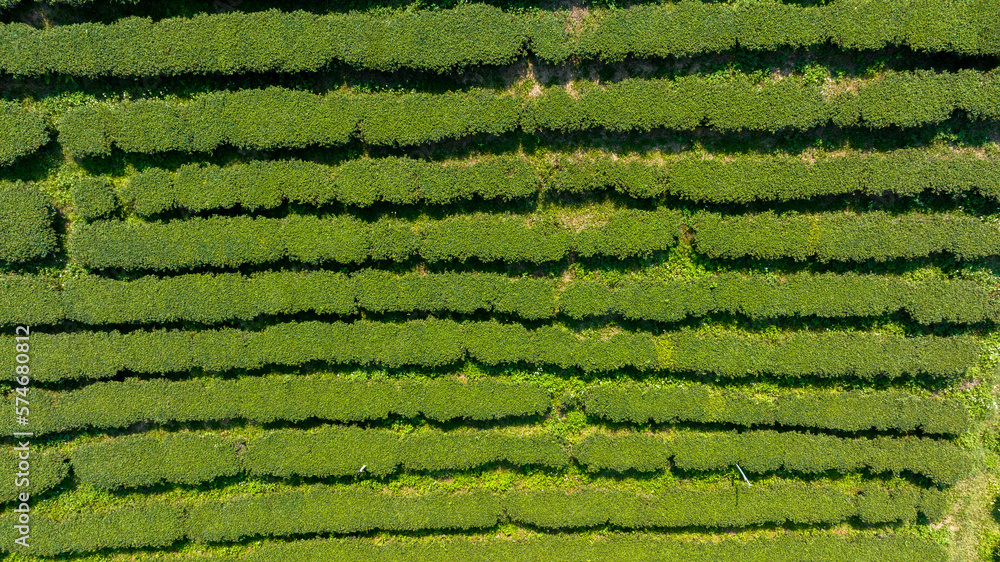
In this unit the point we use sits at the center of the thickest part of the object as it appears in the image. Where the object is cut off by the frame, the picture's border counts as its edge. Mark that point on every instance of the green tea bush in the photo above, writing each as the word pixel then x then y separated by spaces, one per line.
pixel 480 34
pixel 236 241
pixel 875 235
pixel 633 546
pixel 147 524
pixel 845 411
pixel 26 230
pixel 93 197
pixel 764 451
pixel 46 470
pixel 109 405
pixel 783 502
pixel 366 181
pixel 325 510
pixel 336 451
pixel 21 132
pixel 280 118
pixel 214 298
pixel 270 41
pixel 437 343
pixel 320 509
pixel 363 182
pixel 143 460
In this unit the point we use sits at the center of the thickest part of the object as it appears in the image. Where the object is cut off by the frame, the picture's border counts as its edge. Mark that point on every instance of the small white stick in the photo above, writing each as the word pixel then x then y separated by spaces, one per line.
pixel 749 485
pixel 363 468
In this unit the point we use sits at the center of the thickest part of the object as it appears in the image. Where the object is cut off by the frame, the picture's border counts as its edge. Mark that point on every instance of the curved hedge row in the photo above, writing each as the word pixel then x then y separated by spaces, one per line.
pixel 26 230
pixel 21 132
pixel 437 343
pixel 765 451
pixel 400 180
pixel 843 411
pixel 113 404
pixel 281 118
pixel 235 241
pixel 478 34
pixel 140 525
pixel 46 469
pixel 320 509
pixel 186 458
pixel 213 298
pixel 873 235
pixel 788 547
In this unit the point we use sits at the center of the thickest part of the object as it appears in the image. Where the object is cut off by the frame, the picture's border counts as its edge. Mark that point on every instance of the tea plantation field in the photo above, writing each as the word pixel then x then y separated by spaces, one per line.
pixel 508 280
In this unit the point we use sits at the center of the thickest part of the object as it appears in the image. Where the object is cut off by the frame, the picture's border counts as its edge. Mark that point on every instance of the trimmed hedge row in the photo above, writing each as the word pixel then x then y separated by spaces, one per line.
pixel 280 118
pixel 844 411
pixel 635 547
pixel 185 458
pixel 478 34
pixel 147 460
pixel 318 509
pixel 141 525
pixel 742 179
pixel 437 343
pixel 689 28
pixel 765 451
pixel 106 405
pixel 213 298
pixel 902 99
pixel 324 510
pixel 816 354
pixel 46 469
pixel 26 231
pixel 30 299
pixel 873 235
pixel 271 41
pixel 21 131
pixel 235 241
pixel 362 182
pixel 400 180
pixel 291 452
pixel 824 295
pixel 783 502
